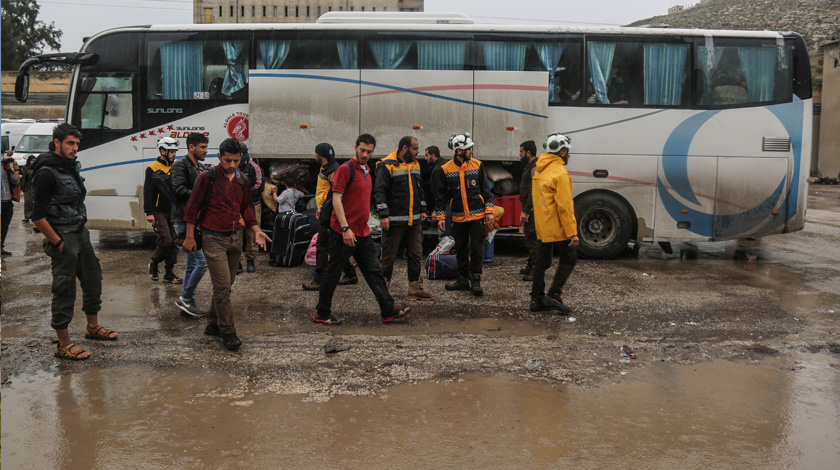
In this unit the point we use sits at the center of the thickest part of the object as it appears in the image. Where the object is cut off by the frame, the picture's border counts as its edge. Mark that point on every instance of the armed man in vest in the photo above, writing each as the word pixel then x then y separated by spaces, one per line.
pixel 60 214
pixel 157 203
pixel 401 206
pixel 554 217
pixel 466 188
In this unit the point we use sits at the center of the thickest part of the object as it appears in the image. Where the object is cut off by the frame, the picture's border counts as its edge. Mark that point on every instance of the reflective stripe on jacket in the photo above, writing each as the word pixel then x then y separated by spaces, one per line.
pixel 466 188
pixel 399 191
pixel 554 208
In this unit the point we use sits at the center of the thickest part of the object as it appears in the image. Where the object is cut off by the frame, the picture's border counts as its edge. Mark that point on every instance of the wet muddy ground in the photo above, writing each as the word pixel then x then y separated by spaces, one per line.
pixel 736 363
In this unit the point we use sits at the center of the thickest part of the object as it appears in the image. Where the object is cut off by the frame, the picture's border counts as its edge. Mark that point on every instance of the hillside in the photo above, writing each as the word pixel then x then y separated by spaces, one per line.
pixel 816 20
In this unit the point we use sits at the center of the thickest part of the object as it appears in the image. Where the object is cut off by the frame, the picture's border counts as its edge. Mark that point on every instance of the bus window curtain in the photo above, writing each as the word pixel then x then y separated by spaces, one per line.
pixel 237 74
pixel 707 59
pixel 500 56
pixel 759 64
pixel 274 53
pixel 181 64
pixel 441 55
pixel 348 54
pixel 664 73
pixel 550 55
pixel 600 66
pixel 389 54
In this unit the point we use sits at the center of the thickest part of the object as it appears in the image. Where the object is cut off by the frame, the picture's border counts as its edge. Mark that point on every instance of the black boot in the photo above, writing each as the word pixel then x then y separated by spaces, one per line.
pixel 251 267
pixel 461 283
pixel 475 288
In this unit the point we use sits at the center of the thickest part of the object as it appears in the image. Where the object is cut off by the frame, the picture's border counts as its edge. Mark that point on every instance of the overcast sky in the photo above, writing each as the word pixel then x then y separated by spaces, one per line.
pixel 82 18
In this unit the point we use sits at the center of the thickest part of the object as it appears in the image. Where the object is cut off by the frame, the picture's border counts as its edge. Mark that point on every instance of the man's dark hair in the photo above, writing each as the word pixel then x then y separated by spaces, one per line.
pixel 405 142
pixel 366 139
pixel 196 138
pixel 529 146
pixel 63 130
pixel 433 150
pixel 230 146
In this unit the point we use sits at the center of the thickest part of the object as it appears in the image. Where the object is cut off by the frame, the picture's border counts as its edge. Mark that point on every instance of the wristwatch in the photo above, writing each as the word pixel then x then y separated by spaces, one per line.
pixel 345 228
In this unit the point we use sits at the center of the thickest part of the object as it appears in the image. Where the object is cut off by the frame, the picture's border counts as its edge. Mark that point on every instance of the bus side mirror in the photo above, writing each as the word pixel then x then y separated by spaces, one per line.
pixel 22 87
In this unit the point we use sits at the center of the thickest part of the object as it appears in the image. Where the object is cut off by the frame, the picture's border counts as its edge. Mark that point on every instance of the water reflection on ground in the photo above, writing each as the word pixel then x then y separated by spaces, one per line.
pixel 779 414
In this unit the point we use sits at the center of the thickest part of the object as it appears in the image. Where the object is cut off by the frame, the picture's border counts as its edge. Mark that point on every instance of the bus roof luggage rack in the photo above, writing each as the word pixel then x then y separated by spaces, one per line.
pixel 387 17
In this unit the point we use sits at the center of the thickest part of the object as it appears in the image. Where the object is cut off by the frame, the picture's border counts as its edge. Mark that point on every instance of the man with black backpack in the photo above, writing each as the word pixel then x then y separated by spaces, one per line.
pixel 325 156
pixel 157 202
pixel 350 236
pixel 184 172
pixel 220 198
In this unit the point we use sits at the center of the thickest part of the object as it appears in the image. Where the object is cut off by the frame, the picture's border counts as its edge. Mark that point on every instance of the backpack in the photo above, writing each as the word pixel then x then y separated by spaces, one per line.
pixel 327 206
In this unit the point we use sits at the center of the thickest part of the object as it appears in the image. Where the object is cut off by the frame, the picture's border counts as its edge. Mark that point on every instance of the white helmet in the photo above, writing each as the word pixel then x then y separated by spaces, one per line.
pixel 167 143
pixel 460 141
pixel 557 142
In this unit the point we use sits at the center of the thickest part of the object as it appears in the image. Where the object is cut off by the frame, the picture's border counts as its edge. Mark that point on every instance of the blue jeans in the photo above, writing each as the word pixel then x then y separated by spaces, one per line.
pixel 195 270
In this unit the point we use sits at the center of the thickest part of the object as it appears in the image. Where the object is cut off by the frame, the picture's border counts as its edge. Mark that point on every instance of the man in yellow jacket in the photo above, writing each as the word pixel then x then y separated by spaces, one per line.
pixel 554 216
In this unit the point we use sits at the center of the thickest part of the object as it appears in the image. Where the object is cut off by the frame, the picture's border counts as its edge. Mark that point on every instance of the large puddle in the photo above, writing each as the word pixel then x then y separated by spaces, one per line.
pixel 780 414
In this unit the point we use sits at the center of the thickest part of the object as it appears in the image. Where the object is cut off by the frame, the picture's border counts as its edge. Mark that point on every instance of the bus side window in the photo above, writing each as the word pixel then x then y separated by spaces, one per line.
pixel 193 70
pixel 752 72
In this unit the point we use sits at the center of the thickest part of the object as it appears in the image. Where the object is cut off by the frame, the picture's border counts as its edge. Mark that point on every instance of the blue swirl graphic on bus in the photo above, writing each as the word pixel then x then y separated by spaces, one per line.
pixel 675 170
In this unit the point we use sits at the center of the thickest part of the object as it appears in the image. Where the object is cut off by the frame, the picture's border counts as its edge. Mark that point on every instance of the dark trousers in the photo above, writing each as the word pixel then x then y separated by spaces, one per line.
pixel 531 241
pixel 368 262
pixel 76 260
pixel 8 211
pixel 222 253
pixel 28 201
pixel 166 249
pixel 391 238
pixel 568 259
pixel 469 246
pixel 322 254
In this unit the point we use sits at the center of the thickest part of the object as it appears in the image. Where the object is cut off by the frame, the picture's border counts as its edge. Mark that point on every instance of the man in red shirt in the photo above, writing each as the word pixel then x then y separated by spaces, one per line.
pixel 230 200
pixel 350 236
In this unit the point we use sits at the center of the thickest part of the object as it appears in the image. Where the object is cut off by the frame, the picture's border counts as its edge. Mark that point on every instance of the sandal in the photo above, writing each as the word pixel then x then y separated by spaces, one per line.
pixel 68 353
pixel 100 333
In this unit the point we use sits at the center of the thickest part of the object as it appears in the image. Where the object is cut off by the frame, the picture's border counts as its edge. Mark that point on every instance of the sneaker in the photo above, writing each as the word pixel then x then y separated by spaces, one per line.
pixel 345 280
pixel 172 278
pixel 529 276
pixel 330 320
pixel 555 302
pixel 231 341
pixel 251 267
pixel 312 285
pixel 398 312
pixel 188 307
pixel 153 271
pixel 212 330
pixel 536 305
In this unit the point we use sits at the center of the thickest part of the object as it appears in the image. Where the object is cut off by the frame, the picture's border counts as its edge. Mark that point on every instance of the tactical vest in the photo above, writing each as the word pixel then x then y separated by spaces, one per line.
pixel 67 202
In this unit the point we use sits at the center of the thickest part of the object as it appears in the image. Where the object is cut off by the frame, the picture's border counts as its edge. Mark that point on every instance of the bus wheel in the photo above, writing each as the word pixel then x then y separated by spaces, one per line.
pixel 605 225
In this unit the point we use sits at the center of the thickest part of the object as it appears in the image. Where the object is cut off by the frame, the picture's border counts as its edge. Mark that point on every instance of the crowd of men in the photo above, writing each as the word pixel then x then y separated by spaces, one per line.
pixel 213 212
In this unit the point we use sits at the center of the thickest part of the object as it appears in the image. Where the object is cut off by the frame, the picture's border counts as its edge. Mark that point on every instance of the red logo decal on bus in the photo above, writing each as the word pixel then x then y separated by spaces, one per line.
pixel 237 126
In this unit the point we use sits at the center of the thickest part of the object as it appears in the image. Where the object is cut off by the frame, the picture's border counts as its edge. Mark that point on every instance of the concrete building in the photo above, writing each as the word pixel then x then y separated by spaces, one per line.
pixel 828 163
pixel 675 9
pixel 289 11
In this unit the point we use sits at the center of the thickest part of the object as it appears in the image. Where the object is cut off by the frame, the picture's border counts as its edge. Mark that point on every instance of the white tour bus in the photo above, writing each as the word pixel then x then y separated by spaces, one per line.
pixel 678 135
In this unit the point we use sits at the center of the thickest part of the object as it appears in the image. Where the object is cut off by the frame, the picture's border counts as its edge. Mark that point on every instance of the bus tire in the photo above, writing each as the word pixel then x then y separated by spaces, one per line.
pixel 605 225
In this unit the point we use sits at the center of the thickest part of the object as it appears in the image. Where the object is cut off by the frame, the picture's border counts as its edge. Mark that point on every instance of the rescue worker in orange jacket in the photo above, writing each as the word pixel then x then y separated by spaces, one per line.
pixel 401 206
pixel 465 187
pixel 554 215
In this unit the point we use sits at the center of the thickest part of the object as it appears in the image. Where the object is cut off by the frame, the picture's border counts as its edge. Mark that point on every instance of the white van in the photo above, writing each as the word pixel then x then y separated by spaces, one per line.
pixel 12 130
pixel 35 141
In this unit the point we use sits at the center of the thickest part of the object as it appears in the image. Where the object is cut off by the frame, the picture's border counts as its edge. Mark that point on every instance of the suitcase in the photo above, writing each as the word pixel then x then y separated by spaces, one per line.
pixel 290 239
pixel 441 266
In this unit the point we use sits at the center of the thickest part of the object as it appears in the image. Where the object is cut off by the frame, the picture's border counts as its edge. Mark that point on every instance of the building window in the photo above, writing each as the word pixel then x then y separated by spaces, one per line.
pixel 286 8
pixel 319 10
pixel 231 11
pixel 307 12
pixel 263 11
pixel 374 8
pixel 242 11
pixel 208 15
pixel 352 8
pixel 220 11
pixel 297 12
pixel 363 8
pixel 275 11
pixel 253 11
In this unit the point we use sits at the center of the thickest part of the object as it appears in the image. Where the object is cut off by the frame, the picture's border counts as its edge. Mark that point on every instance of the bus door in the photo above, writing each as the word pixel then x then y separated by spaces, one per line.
pixel 430 105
